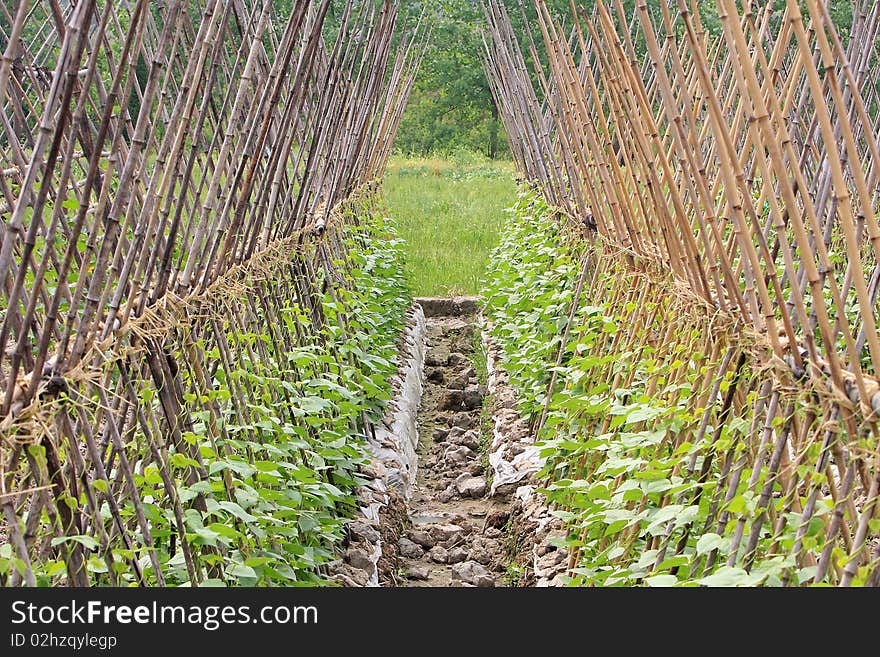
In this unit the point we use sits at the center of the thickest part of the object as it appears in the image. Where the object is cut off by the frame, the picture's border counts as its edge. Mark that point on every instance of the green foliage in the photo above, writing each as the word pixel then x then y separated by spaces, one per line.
pixel 276 491
pixel 292 483
pixel 451 106
pixel 528 291
pixel 628 471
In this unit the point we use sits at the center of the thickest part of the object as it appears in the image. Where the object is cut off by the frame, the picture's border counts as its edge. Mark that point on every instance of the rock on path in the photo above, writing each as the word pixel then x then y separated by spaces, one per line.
pixel 456 534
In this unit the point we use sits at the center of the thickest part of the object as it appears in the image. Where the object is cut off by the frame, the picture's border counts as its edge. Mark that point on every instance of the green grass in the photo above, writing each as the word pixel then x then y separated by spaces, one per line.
pixel 450 213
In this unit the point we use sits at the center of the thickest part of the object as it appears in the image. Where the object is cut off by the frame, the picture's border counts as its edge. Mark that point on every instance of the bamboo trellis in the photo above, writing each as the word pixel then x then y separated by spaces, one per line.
pixel 734 181
pixel 173 175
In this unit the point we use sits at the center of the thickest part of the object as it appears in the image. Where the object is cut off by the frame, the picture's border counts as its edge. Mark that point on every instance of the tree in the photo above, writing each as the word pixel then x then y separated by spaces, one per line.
pixel 451 105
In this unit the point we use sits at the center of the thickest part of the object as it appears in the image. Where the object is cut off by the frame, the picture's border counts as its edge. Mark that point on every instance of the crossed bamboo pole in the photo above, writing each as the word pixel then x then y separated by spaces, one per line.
pixel 742 167
pixel 174 177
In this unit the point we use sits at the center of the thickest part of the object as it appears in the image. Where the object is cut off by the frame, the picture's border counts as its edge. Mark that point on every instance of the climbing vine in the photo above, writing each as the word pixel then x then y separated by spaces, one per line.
pixel 259 494
pixel 656 457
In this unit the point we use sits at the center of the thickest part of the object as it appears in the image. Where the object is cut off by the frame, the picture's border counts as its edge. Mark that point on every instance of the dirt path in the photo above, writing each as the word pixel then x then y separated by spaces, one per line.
pixel 456 536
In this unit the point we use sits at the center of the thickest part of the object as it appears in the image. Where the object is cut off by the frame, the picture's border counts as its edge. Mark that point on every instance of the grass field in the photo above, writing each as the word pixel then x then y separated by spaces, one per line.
pixel 449 212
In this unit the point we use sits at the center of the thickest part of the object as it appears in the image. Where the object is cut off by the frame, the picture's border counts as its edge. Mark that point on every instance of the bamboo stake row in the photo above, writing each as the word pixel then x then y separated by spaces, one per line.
pixel 735 177
pixel 174 176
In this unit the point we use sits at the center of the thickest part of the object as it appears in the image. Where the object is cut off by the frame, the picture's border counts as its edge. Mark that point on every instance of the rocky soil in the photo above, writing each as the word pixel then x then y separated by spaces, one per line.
pixel 452 497
pixel 456 534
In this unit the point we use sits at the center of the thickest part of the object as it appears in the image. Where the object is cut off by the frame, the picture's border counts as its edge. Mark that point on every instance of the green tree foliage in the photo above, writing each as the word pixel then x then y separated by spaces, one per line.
pixel 451 107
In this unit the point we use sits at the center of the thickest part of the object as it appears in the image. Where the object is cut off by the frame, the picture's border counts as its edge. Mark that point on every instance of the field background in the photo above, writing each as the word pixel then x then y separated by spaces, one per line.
pixel 450 212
